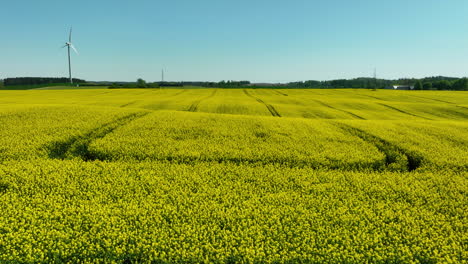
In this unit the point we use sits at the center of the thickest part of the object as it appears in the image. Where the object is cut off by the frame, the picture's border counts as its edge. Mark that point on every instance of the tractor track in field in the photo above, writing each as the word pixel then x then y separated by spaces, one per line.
pixel 404 112
pixel 314 91
pixel 194 106
pixel 128 104
pixel 462 107
pixel 437 100
pixel 179 93
pixel 270 108
pixel 165 99
pixel 78 146
pixel 365 95
pixel 373 97
pixel 103 93
pixel 344 111
pixel 396 157
pixel 280 93
pixel 462 114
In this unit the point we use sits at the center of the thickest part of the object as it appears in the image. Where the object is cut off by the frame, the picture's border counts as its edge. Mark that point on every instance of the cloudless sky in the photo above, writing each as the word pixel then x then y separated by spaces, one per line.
pixel 256 40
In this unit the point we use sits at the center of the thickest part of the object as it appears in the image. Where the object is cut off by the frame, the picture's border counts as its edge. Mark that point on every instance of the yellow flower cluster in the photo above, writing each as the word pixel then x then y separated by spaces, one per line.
pixel 75 211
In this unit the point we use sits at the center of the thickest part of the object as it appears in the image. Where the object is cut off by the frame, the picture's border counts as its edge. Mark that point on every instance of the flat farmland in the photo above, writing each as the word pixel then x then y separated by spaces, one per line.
pixel 233 175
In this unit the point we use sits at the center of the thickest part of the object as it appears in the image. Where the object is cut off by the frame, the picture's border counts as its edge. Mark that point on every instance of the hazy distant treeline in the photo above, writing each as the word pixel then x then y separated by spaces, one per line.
pixel 38 80
pixel 222 84
pixel 140 83
pixel 429 83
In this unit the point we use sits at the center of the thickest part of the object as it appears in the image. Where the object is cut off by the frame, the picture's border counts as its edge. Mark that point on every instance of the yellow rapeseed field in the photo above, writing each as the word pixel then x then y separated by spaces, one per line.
pixel 233 176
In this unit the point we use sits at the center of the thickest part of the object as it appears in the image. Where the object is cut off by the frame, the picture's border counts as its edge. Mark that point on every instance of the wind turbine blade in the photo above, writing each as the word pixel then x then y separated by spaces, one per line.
pixel 69 38
pixel 64 46
pixel 73 47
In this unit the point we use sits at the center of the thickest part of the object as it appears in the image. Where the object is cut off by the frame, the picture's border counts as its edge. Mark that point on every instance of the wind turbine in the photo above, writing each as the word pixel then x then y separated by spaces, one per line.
pixel 70 45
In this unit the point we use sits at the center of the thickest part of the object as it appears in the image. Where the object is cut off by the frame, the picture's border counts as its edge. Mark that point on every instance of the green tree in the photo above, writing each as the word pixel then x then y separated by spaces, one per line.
pixel 141 83
pixel 461 85
pixel 442 85
pixel 427 86
pixel 418 85
pixel 153 85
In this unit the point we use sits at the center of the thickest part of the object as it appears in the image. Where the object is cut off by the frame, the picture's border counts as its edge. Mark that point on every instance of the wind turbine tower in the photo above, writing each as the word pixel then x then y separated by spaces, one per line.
pixel 70 45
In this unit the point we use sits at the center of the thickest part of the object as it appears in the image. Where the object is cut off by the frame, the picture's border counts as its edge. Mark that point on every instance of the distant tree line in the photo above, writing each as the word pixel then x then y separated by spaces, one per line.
pixel 221 84
pixel 140 83
pixel 343 83
pixel 228 84
pixel 429 83
pixel 38 80
pixel 442 84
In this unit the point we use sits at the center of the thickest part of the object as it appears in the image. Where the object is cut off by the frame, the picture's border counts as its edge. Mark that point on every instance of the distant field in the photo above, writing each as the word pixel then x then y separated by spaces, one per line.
pixel 52 86
pixel 69 88
pixel 233 175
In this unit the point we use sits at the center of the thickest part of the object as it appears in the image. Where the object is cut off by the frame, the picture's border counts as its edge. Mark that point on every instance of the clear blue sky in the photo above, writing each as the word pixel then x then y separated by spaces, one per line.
pixel 256 40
